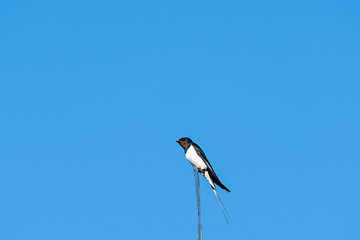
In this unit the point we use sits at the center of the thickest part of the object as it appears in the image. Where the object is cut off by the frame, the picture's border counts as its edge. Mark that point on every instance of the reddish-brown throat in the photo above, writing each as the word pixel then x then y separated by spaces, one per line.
pixel 183 143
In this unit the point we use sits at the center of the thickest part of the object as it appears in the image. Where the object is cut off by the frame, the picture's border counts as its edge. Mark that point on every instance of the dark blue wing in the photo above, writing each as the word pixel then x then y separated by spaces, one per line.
pixel 212 174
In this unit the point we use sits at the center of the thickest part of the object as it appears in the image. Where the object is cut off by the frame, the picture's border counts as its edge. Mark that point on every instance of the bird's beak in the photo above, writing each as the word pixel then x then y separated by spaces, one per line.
pixel 177 141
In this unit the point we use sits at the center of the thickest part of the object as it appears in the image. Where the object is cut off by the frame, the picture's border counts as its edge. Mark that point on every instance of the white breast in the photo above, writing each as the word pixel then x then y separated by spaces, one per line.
pixel 194 158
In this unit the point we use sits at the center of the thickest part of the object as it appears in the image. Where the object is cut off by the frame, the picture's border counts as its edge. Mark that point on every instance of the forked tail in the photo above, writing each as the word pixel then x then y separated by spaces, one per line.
pixel 207 176
pixel 226 215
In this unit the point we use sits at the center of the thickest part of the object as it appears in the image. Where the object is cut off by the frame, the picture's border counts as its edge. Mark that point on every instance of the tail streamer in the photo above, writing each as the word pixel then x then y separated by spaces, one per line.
pixel 226 214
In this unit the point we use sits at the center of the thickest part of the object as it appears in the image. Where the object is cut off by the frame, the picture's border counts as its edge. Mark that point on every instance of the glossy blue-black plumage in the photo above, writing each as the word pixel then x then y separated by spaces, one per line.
pixel 202 155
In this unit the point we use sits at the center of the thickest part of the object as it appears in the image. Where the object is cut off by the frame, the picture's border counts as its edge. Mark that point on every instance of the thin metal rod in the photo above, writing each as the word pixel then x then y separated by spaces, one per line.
pixel 197 185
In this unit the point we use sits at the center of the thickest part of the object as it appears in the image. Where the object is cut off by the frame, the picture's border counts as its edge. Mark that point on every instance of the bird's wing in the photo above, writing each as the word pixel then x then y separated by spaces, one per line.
pixel 212 173
pixel 200 152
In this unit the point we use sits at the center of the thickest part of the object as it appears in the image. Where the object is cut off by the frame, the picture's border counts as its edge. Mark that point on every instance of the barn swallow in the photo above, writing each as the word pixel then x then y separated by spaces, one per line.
pixel 199 161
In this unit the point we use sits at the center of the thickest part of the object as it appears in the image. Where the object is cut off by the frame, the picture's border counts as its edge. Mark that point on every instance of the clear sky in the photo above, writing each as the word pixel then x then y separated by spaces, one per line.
pixel 94 94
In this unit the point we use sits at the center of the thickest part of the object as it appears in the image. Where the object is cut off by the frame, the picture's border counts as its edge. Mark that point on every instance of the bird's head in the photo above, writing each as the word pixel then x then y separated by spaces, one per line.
pixel 184 142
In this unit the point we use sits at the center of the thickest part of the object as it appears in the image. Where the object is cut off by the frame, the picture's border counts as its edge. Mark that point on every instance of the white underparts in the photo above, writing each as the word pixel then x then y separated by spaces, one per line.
pixel 195 159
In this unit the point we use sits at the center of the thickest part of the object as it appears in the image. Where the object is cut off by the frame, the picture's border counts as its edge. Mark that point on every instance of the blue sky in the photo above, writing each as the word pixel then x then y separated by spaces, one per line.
pixel 93 96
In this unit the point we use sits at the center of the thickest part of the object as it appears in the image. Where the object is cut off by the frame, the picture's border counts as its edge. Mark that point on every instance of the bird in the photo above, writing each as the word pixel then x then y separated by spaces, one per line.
pixel 196 156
